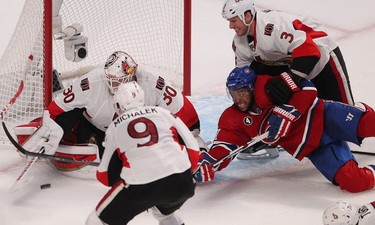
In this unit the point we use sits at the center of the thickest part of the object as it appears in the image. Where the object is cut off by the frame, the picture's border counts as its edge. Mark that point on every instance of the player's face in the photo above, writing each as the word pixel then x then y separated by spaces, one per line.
pixel 238 26
pixel 241 98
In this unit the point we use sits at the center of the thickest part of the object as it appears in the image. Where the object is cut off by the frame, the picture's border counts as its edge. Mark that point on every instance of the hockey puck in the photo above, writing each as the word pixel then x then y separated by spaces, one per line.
pixel 45 186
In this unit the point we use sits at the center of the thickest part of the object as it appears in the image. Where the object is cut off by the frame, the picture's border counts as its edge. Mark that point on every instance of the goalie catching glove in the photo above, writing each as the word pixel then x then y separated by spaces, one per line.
pixel 280 121
pixel 47 136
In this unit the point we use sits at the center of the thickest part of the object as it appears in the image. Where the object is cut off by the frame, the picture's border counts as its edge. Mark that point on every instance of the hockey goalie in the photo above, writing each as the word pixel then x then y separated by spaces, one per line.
pixel 85 108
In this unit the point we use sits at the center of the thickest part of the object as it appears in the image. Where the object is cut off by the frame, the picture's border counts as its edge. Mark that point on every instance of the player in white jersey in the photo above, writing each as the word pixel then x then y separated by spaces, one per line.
pixel 345 213
pixel 149 158
pixel 84 109
pixel 272 42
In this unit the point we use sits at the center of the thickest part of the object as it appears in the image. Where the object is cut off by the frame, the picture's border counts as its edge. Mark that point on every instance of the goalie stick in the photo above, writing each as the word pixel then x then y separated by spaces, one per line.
pixel 46 156
pixel 20 87
pixel 20 179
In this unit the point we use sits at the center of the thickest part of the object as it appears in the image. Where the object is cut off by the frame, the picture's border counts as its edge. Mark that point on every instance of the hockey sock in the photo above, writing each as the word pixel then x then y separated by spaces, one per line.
pixel 354 179
pixel 366 126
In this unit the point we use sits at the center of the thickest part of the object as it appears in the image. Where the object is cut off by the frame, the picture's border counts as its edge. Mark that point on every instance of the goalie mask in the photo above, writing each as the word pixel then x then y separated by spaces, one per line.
pixel 127 96
pixel 341 213
pixel 119 68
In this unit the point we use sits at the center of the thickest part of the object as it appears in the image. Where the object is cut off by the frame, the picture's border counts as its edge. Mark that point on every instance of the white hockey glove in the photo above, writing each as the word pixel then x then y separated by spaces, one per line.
pixel 47 136
pixel 203 146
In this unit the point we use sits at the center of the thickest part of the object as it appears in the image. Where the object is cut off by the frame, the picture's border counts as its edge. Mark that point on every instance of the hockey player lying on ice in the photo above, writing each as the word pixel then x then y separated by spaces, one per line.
pixel 305 127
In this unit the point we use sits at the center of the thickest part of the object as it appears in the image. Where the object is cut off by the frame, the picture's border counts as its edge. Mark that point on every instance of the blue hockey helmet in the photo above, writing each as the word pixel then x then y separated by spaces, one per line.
pixel 243 77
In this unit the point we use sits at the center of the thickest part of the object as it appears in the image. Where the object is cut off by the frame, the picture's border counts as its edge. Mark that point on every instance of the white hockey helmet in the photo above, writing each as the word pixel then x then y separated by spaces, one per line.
pixel 341 213
pixel 128 95
pixel 119 68
pixel 238 8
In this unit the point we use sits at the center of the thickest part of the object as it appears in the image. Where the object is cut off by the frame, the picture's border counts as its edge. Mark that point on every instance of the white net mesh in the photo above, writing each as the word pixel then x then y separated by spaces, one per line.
pixel 151 31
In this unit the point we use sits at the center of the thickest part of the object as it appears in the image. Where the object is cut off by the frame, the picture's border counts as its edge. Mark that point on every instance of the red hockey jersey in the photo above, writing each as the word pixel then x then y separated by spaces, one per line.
pixel 236 128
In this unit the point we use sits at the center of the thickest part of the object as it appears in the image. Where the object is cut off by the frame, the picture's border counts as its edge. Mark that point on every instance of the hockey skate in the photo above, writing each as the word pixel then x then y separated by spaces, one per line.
pixel 259 151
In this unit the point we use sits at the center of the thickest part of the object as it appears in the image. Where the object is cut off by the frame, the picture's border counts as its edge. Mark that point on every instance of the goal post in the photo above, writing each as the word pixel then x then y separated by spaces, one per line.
pixel 75 36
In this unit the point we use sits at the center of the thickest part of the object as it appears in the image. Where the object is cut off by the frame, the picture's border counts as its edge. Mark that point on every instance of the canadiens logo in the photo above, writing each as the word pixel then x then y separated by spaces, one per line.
pixel 247 120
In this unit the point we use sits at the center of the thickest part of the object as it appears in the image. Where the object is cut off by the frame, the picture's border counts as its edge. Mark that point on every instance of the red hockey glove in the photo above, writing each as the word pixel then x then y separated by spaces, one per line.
pixel 205 172
pixel 280 89
pixel 280 121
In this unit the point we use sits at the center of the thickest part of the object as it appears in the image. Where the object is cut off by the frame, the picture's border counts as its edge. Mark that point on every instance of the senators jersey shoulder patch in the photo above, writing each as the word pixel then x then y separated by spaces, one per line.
pixel 268 29
pixel 85 84
pixel 160 83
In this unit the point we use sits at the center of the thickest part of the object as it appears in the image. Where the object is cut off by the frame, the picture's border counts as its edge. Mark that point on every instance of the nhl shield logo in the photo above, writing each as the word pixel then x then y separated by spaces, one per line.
pixel 247 120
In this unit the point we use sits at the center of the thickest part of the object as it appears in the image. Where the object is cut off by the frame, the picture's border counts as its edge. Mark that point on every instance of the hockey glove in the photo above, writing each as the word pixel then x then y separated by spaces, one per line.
pixel 47 136
pixel 205 171
pixel 280 121
pixel 280 89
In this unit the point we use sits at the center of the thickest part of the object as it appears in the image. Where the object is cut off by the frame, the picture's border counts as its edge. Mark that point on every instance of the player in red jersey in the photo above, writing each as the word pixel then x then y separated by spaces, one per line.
pixel 305 127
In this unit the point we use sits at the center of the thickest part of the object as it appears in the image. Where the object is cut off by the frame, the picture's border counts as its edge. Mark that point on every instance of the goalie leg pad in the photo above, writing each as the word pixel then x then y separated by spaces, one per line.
pixel 88 152
pixel 24 131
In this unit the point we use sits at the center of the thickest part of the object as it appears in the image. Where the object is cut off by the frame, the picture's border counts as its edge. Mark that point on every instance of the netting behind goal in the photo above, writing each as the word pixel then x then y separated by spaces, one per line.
pixel 156 33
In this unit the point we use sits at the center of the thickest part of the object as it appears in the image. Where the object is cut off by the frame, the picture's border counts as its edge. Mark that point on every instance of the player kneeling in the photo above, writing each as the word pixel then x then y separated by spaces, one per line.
pixel 148 162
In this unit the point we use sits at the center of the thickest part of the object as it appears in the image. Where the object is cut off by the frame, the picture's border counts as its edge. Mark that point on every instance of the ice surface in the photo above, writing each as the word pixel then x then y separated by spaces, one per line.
pixel 279 191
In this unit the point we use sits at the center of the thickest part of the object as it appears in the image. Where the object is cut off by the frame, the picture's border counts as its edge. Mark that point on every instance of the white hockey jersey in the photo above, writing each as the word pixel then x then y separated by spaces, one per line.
pixel 144 141
pixel 279 38
pixel 91 93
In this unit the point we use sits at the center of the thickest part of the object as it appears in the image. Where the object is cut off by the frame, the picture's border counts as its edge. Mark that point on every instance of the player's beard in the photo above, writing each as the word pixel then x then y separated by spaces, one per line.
pixel 244 106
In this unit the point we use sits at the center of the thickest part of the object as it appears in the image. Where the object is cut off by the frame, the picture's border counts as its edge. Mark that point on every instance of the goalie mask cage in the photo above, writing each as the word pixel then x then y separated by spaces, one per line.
pixel 156 33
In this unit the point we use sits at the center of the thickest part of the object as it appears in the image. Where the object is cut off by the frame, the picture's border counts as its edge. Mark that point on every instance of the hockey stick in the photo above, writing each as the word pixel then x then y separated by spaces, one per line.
pixel 240 149
pixel 20 87
pixel 363 153
pixel 46 156
pixel 24 172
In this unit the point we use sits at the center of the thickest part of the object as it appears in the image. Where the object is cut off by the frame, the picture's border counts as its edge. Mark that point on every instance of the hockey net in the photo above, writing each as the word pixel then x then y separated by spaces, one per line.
pixel 156 33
